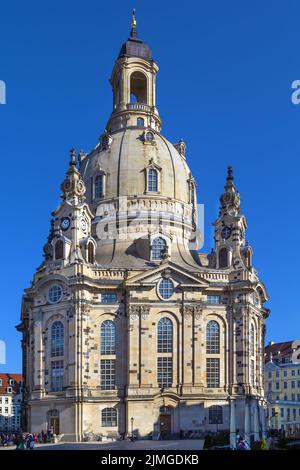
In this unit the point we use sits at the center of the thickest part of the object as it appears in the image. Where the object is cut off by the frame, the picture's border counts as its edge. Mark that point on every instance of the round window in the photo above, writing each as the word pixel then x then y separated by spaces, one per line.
pixel 55 294
pixel 166 288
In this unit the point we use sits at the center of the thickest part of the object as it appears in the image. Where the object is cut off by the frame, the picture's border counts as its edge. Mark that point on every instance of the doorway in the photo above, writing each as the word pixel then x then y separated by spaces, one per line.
pixel 165 423
pixel 54 424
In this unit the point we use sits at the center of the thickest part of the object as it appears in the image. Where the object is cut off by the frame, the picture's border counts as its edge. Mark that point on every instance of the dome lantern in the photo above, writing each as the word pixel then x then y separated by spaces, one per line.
pixel 133 83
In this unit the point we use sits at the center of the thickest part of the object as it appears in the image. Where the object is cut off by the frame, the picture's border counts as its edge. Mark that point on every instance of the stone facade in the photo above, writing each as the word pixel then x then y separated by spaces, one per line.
pixel 126 326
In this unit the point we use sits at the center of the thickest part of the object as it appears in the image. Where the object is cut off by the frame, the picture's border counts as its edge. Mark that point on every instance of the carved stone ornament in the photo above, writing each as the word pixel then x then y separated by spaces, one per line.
pixel 138 310
pixel 193 310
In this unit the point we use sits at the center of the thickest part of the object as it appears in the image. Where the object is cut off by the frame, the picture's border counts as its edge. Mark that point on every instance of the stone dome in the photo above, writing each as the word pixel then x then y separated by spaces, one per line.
pixel 124 163
pixel 123 159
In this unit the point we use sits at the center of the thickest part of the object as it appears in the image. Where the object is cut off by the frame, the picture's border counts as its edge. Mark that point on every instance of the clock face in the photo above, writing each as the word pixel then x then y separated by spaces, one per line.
pixel 65 223
pixel 226 232
pixel 83 225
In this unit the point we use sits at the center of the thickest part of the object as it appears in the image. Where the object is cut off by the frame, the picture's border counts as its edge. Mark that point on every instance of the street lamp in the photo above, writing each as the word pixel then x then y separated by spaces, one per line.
pixel 132 421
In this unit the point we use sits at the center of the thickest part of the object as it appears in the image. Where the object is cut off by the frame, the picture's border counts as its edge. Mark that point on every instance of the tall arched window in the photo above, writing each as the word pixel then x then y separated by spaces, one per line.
pixel 59 249
pixel 252 340
pixel 57 339
pixel 98 186
pixel 91 253
pixel 152 184
pixel 212 337
pixel 165 353
pixel 108 338
pixel 140 122
pixel 165 336
pixel 223 258
pixel 158 246
pixel 138 88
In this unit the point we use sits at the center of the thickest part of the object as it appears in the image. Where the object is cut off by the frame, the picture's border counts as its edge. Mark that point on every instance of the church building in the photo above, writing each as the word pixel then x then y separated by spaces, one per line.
pixel 127 326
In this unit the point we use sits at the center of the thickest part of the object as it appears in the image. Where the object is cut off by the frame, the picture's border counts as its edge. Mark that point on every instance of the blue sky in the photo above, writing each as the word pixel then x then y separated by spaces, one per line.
pixel 224 86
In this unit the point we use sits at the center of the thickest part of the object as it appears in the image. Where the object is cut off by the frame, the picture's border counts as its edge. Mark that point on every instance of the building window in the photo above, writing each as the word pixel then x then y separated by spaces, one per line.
pixel 215 414
pixel 108 298
pixel 285 373
pixel 55 294
pixel 57 375
pixel 277 385
pixel 212 337
pixel 223 258
pixel 252 372
pixel 277 374
pixel 140 122
pixel 166 288
pixel 91 253
pixel 152 180
pixel 293 372
pixel 98 191
pixel 158 247
pixel 108 374
pixel 252 340
pixel 59 249
pixel 293 383
pixel 165 336
pixel 213 299
pixel 108 337
pixel 213 373
pixel 270 374
pixel 109 417
pixel 57 339
pixel 164 371
pixel 149 136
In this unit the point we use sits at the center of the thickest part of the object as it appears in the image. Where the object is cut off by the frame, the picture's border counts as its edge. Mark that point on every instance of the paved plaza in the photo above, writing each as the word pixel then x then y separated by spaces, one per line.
pixel 176 445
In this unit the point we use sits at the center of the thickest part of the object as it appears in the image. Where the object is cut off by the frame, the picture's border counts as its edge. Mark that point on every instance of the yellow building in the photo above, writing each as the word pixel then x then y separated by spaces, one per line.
pixel 282 388
pixel 126 325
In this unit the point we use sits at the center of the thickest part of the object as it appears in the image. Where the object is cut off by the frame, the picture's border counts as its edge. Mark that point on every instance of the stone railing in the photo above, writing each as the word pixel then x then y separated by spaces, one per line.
pixel 138 107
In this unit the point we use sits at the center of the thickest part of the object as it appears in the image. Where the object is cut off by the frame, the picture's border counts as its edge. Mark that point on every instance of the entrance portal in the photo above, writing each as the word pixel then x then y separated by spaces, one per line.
pixel 165 423
pixel 54 424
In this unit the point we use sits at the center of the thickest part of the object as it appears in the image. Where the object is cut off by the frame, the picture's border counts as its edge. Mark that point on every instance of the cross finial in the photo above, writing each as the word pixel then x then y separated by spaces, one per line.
pixel 133 32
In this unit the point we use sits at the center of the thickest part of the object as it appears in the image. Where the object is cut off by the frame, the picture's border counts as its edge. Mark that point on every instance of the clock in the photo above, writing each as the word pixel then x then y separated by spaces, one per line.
pixel 226 232
pixel 65 223
pixel 83 225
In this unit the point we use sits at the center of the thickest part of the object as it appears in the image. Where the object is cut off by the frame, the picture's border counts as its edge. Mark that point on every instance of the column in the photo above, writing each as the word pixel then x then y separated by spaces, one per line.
pixel 232 425
pixel 263 421
pixel 247 422
pixel 38 352
pixel 256 422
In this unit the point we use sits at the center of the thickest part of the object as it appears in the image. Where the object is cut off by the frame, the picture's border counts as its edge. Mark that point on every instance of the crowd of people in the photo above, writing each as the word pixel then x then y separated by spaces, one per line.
pixel 26 441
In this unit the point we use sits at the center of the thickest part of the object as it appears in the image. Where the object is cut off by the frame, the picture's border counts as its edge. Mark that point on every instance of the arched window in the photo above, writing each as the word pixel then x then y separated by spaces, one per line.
pixel 59 249
pixel 108 338
pixel 109 417
pixel 140 122
pixel 212 337
pixel 98 186
pixel 165 336
pixel 215 414
pixel 57 339
pixel 152 180
pixel 91 253
pixel 223 258
pixel 138 88
pixel 158 247
pixel 252 340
